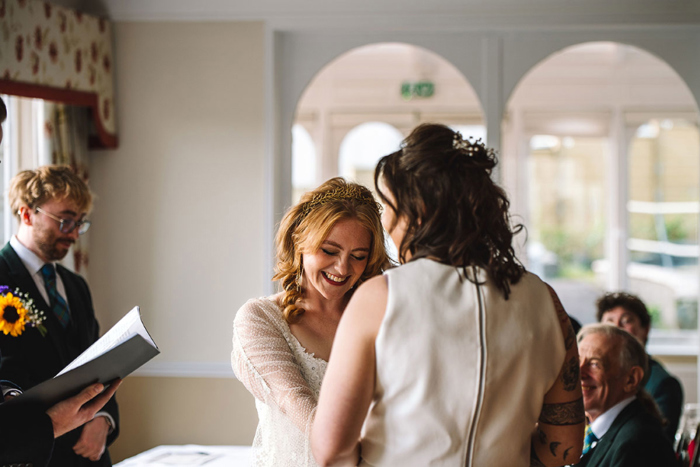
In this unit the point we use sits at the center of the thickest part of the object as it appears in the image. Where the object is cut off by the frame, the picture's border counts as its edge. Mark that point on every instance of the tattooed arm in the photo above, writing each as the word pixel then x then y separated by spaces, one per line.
pixel 558 438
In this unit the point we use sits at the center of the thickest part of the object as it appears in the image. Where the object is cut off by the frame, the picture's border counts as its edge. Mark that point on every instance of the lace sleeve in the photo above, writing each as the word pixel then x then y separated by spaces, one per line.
pixel 264 362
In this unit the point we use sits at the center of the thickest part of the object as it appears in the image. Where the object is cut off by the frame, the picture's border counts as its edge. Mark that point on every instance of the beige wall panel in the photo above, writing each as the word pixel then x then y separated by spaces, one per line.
pixel 178 220
pixel 156 411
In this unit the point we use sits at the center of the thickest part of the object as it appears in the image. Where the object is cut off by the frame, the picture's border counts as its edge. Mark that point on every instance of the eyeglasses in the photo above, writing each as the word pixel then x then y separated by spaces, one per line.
pixel 67 226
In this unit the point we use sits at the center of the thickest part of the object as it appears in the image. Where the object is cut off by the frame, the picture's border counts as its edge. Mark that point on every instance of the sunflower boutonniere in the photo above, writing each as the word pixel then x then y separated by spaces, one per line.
pixel 17 310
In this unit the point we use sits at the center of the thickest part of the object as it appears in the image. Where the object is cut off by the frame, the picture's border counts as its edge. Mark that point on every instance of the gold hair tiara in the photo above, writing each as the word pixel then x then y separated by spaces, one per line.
pixel 345 192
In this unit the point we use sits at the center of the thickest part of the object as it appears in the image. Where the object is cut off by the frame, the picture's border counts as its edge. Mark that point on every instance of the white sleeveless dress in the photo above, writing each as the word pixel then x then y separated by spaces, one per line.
pixel 461 372
pixel 284 379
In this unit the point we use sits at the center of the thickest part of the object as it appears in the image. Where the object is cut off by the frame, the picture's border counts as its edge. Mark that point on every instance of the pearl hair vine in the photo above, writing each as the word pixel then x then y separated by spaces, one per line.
pixel 469 145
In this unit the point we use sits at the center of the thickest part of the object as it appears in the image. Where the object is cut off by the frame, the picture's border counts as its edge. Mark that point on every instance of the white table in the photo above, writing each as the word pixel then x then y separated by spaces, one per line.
pixel 191 455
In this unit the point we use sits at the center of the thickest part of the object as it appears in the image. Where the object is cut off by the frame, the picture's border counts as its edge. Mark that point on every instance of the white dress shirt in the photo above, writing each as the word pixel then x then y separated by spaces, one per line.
pixel 34 264
pixel 602 424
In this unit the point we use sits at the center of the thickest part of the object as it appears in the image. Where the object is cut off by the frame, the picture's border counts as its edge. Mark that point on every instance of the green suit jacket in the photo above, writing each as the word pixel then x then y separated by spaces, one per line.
pixel 635 439
pixel 668 394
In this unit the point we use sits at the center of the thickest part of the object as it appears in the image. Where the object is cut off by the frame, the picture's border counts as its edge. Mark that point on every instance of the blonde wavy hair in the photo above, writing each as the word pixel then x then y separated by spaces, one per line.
pixel 32 188
pixel 306 225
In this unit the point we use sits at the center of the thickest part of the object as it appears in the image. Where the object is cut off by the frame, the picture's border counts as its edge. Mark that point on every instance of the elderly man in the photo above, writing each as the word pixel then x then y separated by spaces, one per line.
pixel 625 427
pixel 628 312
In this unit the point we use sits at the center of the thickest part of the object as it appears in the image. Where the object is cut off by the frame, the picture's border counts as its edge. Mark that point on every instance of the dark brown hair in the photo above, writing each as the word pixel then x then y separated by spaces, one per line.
pixel 629 302
pixel 455 213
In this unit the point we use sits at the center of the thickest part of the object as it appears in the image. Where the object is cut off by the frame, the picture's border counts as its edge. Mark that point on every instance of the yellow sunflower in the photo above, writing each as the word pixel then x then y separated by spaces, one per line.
pixel 12 315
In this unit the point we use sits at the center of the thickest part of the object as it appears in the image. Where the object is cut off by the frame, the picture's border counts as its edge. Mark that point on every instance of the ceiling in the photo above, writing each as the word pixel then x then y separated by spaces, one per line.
pixel 391 14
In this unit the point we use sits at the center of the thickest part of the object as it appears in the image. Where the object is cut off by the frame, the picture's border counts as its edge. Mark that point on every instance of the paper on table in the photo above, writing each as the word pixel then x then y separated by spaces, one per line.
pixel 127 327
pixel 192 454
pixel 184 458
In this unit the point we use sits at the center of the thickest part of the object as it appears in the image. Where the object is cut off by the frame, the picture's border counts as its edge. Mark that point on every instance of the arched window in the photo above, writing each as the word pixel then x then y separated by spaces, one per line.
pixel 606 179
pixel 362 147
pixel 399 85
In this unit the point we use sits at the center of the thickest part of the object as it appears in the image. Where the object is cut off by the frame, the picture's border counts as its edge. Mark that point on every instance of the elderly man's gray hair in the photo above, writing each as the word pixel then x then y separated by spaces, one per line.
pixel 632 351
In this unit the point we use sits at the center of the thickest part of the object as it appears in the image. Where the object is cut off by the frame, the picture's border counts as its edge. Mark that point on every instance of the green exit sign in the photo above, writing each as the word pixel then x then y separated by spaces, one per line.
pixel 421 89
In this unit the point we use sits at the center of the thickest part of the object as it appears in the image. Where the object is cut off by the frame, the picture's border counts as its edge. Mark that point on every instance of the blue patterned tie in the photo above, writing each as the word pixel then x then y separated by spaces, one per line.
pixel 589 440
pixel 56 302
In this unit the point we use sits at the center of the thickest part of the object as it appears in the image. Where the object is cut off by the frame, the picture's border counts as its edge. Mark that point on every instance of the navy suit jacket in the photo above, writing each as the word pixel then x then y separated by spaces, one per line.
pixel 635 439
pixel 27 435
pixel 30 358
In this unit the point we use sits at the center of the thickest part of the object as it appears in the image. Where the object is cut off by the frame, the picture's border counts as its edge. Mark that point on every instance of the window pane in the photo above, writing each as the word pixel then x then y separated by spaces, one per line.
pixel 303 162
pixel 362 148
pixel 567 225
pixel 359 153
pixel 663 221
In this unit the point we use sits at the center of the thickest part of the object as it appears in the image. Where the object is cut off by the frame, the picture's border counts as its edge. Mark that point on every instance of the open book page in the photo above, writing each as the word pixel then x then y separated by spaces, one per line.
pixel 127 327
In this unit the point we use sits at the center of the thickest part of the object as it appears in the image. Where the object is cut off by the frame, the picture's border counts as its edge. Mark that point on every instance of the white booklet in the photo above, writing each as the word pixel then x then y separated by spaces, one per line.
pixel 123 349
pixel 127 327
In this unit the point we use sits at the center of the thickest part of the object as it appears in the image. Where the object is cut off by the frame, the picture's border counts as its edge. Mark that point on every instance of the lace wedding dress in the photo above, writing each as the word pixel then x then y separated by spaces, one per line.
pixel 284 379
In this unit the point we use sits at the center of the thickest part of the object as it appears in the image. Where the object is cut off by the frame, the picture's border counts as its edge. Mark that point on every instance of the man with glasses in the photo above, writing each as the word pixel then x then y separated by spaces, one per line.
pixel 51 204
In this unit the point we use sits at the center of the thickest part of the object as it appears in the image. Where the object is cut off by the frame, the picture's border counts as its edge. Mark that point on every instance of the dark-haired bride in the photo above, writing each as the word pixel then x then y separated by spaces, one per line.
pixel 458 356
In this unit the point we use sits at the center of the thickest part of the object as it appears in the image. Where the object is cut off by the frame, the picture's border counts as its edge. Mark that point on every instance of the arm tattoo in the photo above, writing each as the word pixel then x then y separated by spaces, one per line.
pixel 566 453
pixel 570 374
pixel 570 337
pixel 534 460
pixel 553 448
pixel 568 413
pixel 542 436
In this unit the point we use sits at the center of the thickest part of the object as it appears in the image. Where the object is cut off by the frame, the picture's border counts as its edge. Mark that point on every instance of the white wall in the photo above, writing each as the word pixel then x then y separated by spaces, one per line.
pixel 178 220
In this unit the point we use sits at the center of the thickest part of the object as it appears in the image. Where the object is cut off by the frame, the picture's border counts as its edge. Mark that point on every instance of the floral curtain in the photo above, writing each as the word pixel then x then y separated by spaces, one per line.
pixel 66 143
pixel 54 53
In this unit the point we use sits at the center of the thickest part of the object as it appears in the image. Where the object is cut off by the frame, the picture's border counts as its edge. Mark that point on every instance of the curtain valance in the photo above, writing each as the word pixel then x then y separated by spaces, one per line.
pixel 54 53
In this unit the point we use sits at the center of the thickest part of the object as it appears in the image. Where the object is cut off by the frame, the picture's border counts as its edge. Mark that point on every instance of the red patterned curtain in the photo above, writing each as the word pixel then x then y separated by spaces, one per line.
pixel 57 54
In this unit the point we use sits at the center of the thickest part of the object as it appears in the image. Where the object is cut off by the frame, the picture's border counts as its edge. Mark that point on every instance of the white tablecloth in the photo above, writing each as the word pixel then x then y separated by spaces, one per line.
pixel 191 455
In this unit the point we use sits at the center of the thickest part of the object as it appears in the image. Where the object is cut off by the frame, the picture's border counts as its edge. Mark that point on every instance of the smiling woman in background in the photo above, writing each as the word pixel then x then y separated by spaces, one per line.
pixel 460 356
pixel 326 245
